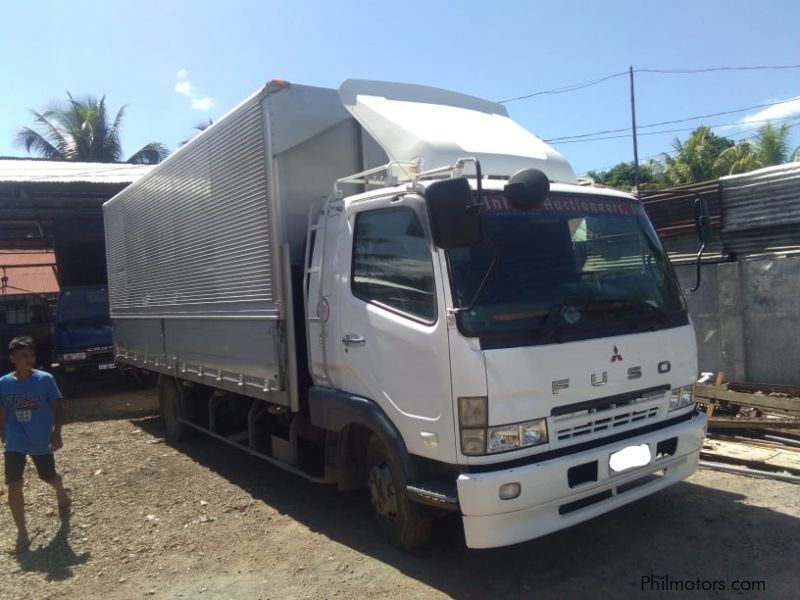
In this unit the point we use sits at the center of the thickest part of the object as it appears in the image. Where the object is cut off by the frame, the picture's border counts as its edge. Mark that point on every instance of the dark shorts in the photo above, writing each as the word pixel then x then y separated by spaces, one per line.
pixel 15 466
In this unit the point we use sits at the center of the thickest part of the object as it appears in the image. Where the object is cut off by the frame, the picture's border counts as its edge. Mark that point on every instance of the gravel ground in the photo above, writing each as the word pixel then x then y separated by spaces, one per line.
pixel 203 520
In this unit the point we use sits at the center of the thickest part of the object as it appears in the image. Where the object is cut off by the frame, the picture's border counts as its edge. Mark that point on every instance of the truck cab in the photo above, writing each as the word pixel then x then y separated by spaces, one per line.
pixel 82 330
pixel 522 363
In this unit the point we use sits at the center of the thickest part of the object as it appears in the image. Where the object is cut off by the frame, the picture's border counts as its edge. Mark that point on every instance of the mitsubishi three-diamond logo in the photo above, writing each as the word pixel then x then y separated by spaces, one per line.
pixel 617 356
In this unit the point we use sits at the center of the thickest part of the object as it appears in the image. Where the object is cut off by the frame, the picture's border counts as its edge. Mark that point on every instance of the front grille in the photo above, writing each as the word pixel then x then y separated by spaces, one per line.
pixel 610 422
pixel 101 356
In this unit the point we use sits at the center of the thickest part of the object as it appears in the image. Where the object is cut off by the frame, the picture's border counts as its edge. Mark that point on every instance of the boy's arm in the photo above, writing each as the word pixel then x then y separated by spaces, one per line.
pixel 58 420
pixel 2 424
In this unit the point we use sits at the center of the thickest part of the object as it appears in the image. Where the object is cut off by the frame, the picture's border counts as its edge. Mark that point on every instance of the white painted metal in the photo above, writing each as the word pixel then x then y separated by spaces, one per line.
pixel 403 364
pixel 437 127
pixel 490 521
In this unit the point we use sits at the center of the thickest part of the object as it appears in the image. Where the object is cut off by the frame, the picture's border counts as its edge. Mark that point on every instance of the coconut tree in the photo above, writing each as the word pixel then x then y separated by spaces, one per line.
pixel 80 130
pixel 770 147
pixel 740 158
pixel 693 160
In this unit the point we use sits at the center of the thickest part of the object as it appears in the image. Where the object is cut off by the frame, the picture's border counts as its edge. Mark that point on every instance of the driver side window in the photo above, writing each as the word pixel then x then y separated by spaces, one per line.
pixel 392 263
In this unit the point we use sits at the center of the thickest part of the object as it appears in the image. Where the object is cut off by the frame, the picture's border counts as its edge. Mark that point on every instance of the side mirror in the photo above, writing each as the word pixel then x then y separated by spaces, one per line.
pixel 527 188
pixel 702 220
pixel 455 218
pixel 702 223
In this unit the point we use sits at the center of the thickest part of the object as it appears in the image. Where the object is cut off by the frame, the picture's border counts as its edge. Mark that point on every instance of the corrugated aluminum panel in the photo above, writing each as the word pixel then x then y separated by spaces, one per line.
pixel 195 237
pixel 761 211
pixel 762 198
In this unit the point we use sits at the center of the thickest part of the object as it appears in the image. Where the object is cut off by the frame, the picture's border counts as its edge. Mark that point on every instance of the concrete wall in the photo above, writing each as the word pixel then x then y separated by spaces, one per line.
pixel 747 318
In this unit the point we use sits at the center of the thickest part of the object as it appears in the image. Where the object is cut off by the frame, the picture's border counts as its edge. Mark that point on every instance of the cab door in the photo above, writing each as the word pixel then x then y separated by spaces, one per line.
pixel 394 344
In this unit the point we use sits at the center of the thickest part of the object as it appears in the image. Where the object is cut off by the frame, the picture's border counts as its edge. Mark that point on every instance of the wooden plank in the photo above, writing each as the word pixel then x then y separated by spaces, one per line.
pixel 793 391
pixel 745 453
pixel 725 423
pixel 786 405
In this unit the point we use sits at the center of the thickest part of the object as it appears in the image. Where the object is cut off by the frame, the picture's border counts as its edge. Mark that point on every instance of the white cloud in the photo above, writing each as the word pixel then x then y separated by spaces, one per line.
pixel 184 87
pixel 786 108
pixel 202 103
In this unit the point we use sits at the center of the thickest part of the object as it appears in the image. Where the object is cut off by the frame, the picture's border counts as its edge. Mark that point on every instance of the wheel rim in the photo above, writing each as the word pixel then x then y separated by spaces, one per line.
pixel 382 492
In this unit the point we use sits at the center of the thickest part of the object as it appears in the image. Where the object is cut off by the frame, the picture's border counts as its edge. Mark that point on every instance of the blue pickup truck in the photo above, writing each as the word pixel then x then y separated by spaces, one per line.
pixel 82 330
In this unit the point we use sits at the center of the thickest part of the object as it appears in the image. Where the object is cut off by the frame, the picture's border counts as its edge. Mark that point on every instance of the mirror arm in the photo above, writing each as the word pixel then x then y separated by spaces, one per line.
pixel 484 281
pixel 701 223
pixel 697 278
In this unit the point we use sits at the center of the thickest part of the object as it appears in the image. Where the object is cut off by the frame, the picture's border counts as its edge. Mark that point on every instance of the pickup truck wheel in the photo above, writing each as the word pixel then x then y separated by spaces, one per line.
pixel 398 517
pixel 171 405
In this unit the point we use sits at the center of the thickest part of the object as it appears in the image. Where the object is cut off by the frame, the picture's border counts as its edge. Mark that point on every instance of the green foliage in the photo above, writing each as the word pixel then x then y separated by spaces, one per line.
pixel 81 131
pixel 623 176
pixel 770 147
pixel 705 155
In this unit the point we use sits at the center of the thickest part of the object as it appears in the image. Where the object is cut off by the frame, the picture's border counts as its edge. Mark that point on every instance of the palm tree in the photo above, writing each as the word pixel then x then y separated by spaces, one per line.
pixel 773 144
pixel 770 147
pixel 693 160
pixel 81 131
pixel 740 158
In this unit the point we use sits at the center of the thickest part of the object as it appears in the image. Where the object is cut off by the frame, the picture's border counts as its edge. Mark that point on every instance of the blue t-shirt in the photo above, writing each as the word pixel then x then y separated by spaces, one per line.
pixel 29 417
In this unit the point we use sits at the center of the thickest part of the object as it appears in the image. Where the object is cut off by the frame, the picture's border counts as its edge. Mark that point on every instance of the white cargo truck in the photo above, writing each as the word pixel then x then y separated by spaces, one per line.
pixel 400 288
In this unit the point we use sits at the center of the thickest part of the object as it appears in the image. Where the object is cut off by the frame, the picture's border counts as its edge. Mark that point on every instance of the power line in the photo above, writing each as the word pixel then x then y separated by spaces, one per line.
pixel 672 122
pixel 585 84
pixel 714 69
pixel 668 153
pixel 614 137
pixel 567 88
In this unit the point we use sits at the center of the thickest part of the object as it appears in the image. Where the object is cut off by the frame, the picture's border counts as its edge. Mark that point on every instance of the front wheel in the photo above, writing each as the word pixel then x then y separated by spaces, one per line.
pixel 171 405
pixel 399 519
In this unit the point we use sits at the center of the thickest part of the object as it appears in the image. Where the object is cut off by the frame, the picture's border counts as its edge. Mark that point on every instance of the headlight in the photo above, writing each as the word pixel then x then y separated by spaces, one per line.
pixel 517 435
pixel 478 439
pixel 681 397
pixel 70 356
pixel 473 411
pixel 473 415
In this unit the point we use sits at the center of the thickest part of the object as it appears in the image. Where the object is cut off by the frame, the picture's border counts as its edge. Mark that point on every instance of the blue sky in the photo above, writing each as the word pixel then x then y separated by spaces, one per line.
pixel 178 62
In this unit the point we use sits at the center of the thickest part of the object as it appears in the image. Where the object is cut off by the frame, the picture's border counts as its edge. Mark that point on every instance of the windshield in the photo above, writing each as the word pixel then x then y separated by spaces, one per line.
pixel 575 267
pixel 83 304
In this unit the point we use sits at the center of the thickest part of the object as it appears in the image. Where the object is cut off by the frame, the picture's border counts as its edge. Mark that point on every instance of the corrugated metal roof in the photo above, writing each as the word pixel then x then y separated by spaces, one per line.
pixel 761 211
pixel 51 171
pixel 27 272
pixel 672 209
pixel 762 198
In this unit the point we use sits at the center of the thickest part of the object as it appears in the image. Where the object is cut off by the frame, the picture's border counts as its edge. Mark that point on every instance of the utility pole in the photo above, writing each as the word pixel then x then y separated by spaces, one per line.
pixel 635 144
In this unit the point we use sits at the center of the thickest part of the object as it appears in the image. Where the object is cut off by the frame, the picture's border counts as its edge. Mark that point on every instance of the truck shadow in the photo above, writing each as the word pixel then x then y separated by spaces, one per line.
pixel 106 396
pixel 684 532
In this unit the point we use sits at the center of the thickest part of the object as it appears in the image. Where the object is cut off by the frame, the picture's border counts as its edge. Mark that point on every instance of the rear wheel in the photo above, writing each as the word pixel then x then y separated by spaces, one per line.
pixel 172 405
pixel 399 519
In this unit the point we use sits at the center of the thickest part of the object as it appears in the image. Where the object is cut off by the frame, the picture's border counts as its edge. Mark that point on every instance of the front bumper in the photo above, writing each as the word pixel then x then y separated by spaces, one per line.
pixel 548 503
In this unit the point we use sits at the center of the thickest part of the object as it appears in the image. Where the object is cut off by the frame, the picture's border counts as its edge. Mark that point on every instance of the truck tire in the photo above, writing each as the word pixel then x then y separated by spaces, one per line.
pixel 171 405
pixel 399 519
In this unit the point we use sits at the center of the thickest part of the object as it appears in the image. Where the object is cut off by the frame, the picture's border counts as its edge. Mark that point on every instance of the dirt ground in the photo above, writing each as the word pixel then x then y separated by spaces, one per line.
pixel 204 520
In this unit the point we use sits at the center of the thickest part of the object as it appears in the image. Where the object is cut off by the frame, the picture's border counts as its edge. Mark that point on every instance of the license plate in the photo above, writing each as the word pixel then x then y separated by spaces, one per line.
pixel 106 366
pixel 630 458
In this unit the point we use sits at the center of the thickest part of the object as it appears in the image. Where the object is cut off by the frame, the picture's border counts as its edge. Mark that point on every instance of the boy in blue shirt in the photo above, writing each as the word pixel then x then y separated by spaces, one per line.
pixel 31 416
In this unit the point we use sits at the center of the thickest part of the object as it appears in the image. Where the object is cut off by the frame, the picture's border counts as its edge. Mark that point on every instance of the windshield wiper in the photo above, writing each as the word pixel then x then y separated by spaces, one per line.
pixel 616 305
pixel 554 320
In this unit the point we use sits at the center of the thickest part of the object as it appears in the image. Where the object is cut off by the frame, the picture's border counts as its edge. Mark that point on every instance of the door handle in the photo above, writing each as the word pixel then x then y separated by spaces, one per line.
pixel 353 340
